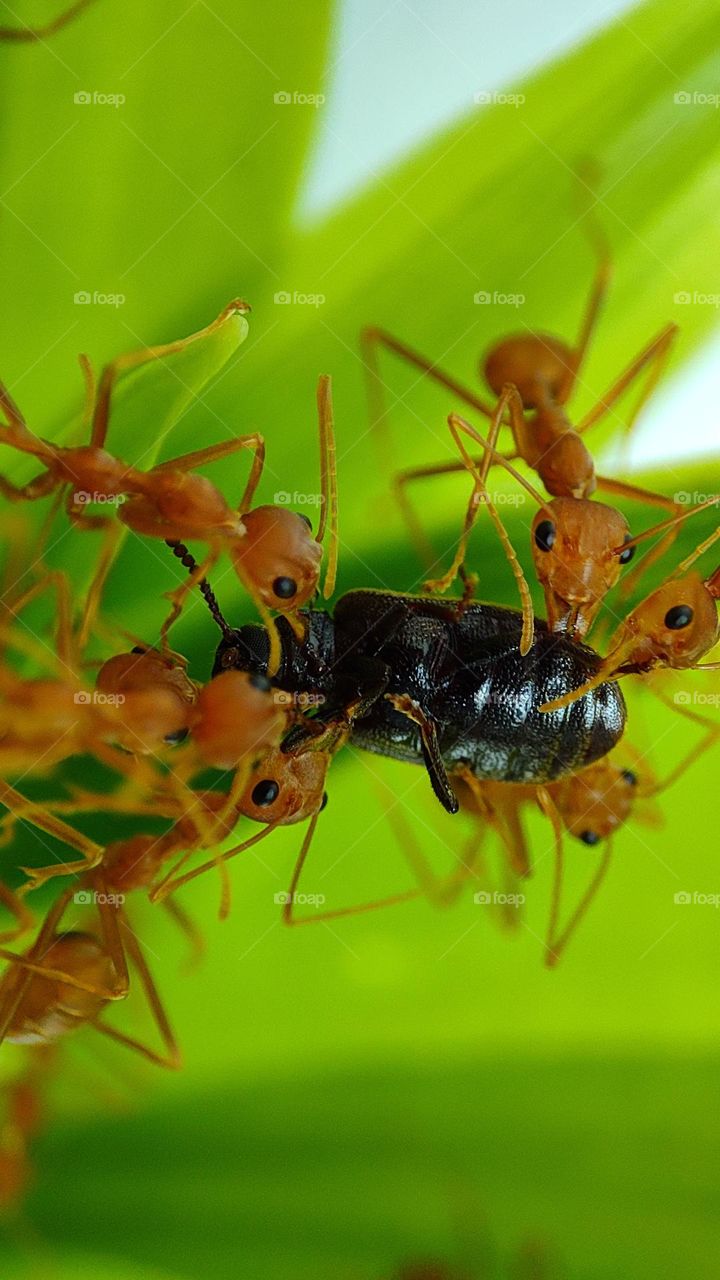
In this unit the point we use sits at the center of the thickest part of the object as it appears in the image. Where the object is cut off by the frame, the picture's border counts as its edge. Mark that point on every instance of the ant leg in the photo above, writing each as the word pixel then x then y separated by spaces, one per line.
pixel 187 925
pixel 24 918
pixel 171 1057
pixel 507 824
pixel 653 357
pixel 287 913
pixel 440 891
pixel 97 586
pixel 328 481
pixel 556 941
pixel 215 452
pixel 45 821
pixel 40 487
pixel 15 981
pixel 598 288
pixel 31 34
pixel 171 882
pixel 372 339
pixel 133 360
pixel 480 496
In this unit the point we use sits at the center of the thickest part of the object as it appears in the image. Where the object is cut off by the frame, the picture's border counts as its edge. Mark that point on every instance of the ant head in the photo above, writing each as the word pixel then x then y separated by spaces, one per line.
pixel 278 558
pixel 566 468
pixel 284 788
pixel 150 695
pixel 238 717
pixel 50 1008
pixel 597 801
pixel 675 626
pixel 575 549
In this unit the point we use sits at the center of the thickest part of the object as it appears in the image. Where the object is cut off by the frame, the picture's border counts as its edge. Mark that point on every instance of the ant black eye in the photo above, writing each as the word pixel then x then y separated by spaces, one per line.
pixel 307 520
pixel 545 535
pixel 630 777
pixel 589 837
pixel 138 648
pixel 324 801
pixel 284 588
pixel 681 615
pixel 259 681
pixel 626 556
pixel 172 739
pixel 229 658
pixel 265 793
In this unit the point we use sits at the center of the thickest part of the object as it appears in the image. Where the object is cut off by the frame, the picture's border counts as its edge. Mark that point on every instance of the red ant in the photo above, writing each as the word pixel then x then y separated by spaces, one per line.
pixel 66 980
pixel 272 549
pixel 673 627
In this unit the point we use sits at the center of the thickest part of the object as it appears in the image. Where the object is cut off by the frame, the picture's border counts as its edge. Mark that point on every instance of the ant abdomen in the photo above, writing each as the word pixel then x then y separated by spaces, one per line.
pixel 49 1008
pixel 537 364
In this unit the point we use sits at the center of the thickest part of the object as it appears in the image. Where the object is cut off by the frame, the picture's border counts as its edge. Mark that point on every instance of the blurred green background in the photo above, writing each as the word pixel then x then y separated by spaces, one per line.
pixel 412 1083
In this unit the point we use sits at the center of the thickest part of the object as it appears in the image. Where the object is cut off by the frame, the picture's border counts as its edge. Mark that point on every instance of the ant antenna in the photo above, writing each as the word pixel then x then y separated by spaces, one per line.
pixel 189 562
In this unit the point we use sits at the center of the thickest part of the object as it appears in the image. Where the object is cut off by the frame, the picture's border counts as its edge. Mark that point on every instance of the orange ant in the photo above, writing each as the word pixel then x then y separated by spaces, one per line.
pixel 674 626
pixel 34 34
pixel 545 370
pixel 22 1120
pixel 272 549
pixel 66 980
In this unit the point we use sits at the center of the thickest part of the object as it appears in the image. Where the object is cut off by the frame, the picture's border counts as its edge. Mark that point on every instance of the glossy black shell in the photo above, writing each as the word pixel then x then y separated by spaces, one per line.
pixel 466 673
